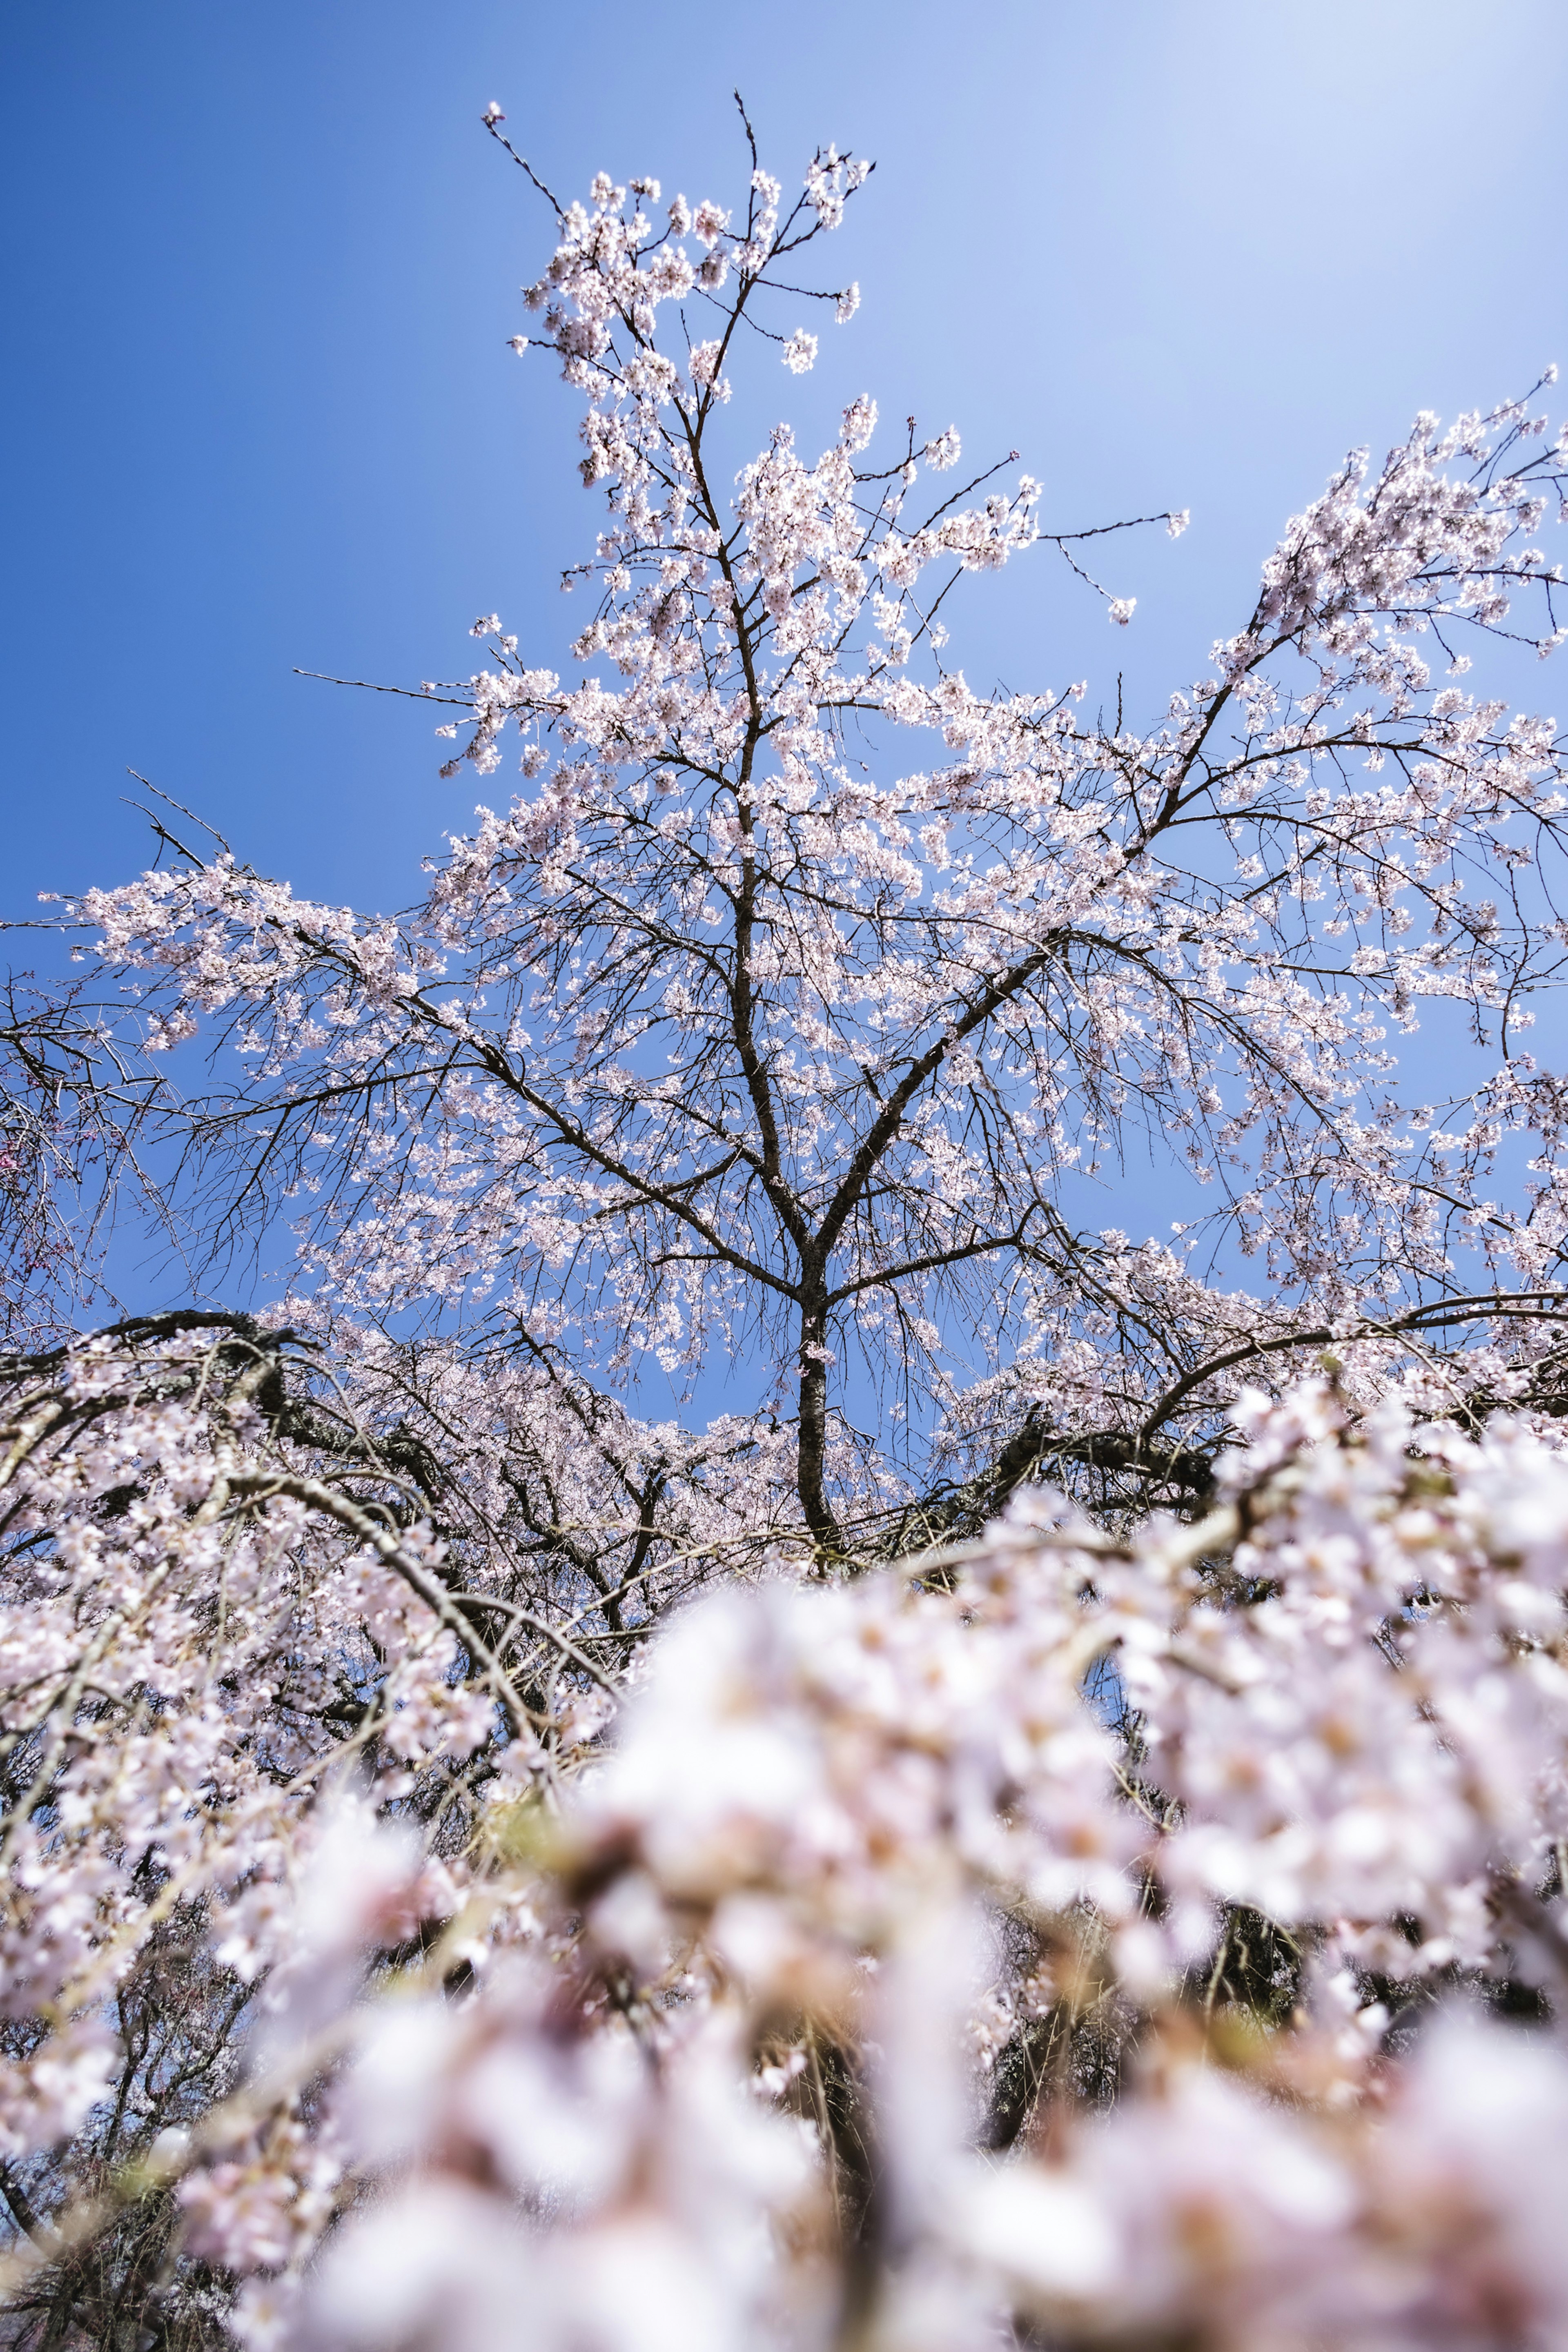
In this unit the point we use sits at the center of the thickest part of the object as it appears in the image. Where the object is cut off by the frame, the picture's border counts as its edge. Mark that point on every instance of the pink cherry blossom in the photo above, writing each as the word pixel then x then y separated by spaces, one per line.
pixel 1048 1816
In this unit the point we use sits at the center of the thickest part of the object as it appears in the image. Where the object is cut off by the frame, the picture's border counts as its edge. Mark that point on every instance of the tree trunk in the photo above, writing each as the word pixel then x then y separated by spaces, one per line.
pixel 812 1455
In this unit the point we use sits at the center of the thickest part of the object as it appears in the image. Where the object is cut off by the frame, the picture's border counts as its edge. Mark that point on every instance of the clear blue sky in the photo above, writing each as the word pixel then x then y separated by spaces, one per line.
pixel 261 264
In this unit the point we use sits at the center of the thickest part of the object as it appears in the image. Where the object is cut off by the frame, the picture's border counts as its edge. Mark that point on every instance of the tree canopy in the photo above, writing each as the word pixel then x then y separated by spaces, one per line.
pixel 1041 1813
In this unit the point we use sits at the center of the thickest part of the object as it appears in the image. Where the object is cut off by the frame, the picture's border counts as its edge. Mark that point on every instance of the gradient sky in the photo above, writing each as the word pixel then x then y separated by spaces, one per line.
pixel 261 262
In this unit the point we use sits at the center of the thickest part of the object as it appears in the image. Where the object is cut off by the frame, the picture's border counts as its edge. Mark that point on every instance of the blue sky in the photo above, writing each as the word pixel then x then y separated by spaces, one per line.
pixel 261 263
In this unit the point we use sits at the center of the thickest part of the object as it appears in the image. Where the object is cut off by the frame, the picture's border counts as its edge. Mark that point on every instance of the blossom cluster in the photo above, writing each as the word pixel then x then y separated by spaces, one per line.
pixel 788 1993
pixel 252 1592
pixel 829 1815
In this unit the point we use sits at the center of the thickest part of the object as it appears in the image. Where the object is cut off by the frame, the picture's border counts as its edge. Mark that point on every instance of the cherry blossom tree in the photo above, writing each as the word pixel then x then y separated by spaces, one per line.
pixel 75 1103
pixel 722 1033
pixel 1083 1857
